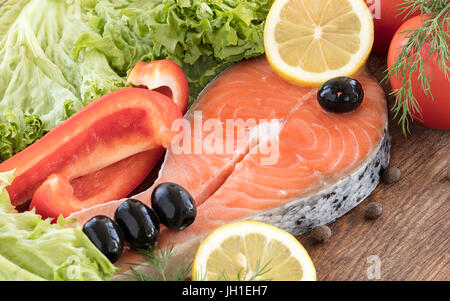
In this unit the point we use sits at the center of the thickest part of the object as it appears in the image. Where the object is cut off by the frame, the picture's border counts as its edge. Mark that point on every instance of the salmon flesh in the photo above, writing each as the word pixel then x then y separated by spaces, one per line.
pixel 314 167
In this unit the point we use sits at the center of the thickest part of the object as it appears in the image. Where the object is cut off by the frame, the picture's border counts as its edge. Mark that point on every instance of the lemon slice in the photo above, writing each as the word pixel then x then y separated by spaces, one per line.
pixel 308 42
pixel 252 250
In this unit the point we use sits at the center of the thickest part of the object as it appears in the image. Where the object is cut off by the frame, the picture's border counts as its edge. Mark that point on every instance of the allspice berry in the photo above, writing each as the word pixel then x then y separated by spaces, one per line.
pixel 321 234
pixel 391 175
pixel 373 210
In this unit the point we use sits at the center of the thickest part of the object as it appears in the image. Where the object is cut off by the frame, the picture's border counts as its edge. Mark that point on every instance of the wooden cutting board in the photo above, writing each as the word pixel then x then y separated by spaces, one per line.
pixel 412 236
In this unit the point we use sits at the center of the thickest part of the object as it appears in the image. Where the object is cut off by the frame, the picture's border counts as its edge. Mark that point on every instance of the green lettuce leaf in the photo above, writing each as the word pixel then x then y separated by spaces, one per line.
pixel 39 76
pixel 36 249
pixel 11 272
pixel 6 178
pixel 203 36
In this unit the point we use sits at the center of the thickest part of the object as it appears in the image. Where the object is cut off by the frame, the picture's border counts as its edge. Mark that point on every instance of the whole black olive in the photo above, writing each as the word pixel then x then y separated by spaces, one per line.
pixel 139 224
pixel 340 95
pixel 174 206
pixel 106 235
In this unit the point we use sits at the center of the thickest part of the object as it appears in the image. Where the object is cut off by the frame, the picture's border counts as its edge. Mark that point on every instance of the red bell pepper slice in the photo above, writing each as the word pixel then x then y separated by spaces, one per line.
pixel 121 124
pixel 62 195
pixel 57 195
pixel 118 179
pixel 109 184
pixel 165 77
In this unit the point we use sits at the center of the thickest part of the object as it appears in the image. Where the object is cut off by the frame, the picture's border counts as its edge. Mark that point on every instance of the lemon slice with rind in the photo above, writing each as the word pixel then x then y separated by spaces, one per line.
pixel 308 42
pixel 252 250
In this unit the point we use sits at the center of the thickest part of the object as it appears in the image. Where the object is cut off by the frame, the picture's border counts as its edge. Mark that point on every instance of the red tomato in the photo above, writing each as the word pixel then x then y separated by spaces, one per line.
pixel 435 113
pixel 384 14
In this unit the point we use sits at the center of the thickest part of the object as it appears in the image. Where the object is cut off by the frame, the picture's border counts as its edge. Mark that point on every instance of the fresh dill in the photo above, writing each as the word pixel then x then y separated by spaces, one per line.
pixel 433 33
pixel 258 273
pixel 158 258
pixel 243 275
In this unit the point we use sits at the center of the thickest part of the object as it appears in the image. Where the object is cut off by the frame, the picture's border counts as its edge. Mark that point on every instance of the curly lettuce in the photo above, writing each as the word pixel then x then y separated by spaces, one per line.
pixel 206 37
pixel 35 249
pixel 203 36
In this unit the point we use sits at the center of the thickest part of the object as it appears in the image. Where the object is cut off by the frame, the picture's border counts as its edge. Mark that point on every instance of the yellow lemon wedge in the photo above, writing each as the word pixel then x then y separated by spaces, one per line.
pixel 308 42
pixel 252 250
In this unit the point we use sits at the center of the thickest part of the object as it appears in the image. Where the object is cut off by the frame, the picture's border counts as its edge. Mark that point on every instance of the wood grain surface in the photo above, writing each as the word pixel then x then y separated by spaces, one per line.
pixel 412 236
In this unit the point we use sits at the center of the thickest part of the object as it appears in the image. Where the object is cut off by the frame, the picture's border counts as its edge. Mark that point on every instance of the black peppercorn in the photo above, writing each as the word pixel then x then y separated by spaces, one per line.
pixel 321 234
pixel 391 175
pixel 373 210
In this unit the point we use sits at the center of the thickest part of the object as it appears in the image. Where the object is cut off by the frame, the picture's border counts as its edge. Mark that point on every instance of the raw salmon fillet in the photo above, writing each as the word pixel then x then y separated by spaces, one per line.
pixel 327 163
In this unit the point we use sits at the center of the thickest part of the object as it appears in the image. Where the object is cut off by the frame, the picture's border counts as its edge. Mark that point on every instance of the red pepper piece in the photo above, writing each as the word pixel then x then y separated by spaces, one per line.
pixel 163 76
pixel 59 196
pixel 119 179
pixel 56 196
pixel 113 128
pixel 109 184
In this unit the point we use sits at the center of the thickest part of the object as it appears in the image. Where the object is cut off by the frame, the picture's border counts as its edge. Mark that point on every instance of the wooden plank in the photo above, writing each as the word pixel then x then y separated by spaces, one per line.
pixel 412 235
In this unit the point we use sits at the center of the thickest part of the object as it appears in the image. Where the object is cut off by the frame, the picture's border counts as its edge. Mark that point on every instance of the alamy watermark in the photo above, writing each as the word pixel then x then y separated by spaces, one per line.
pixel 74 267
pixel 228 137
pixel 74 9
pixel 374 267
pixel 375 8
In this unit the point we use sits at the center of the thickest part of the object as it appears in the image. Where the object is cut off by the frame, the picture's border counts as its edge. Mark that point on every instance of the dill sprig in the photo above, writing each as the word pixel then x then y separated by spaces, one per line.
pixel 243 275
pixel 159 258
pixel 433 32
pixel 257 274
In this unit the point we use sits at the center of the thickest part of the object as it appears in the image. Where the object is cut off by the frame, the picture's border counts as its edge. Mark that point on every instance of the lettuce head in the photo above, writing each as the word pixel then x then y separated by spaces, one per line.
pixel 56 56
pixel 41 83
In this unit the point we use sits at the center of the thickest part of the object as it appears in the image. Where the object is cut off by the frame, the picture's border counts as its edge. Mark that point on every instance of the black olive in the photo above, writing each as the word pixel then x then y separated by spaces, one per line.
pixel 174 206
pixel 106 235
pixel 340 95
pixel 139 224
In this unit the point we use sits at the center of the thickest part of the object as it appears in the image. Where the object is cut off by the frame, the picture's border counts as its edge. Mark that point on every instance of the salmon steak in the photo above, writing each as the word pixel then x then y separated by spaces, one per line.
pixel 285 161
